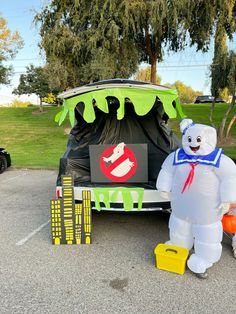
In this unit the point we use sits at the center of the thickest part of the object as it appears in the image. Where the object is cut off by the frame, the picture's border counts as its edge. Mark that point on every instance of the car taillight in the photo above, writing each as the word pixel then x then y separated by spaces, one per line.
pixel 58 194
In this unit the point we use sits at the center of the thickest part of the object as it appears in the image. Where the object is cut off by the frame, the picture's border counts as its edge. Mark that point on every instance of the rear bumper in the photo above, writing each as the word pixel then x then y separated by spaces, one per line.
pixel 152 200
pixel 4 153
pixel 8 157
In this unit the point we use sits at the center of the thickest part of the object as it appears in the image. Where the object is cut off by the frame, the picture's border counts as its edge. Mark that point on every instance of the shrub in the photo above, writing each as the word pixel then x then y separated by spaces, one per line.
pixel 16 103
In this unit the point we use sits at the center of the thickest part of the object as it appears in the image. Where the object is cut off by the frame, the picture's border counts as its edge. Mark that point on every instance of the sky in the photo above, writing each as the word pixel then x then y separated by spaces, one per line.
pixel 189 66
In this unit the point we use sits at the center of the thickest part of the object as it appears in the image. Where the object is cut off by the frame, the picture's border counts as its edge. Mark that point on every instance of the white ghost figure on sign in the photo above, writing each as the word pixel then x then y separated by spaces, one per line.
pixel 202 183
pixel 124 167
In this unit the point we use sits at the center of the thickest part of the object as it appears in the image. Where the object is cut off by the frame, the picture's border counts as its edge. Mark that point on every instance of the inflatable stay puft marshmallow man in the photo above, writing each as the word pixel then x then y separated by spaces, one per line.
pixel 202 182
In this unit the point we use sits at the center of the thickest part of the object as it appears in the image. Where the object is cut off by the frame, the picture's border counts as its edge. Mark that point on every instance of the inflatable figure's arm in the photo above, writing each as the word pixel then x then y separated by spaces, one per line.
pixel 232 209
pixel 165 177
pixel 227 176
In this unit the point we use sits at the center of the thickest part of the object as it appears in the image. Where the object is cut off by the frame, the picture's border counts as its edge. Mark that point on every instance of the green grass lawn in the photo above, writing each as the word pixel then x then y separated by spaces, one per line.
pixel 36 141
pixel 32 139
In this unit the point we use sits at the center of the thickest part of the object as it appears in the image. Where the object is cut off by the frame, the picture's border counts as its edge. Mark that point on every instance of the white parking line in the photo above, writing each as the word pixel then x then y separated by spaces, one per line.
pixel 31 234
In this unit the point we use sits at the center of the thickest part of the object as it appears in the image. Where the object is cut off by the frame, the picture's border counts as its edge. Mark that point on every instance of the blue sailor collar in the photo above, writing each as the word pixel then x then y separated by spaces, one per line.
pixel 212 159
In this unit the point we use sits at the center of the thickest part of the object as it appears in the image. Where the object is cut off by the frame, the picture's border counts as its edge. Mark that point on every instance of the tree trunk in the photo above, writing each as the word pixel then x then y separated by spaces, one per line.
pixel 40 104
pixel 230 125
pixel 223 122
pixel 231 121
pixel 152 56
pixel 154 70
pixel 211 113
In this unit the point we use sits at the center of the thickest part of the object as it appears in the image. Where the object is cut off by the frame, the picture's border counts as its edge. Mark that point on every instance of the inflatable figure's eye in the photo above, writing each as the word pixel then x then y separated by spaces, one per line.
pixel 199 139
pixel 189 139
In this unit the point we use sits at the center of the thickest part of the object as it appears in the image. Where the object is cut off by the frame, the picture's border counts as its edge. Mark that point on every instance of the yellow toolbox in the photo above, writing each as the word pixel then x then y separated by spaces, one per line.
pixel 171 258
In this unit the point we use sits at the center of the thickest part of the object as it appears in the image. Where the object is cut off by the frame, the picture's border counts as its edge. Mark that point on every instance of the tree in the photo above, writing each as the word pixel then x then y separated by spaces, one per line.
pixel 33 82
pixel 59 76
pixel 87 40
pixel 103 39
pixel 231 85
pixel 223 67
pixel 145 75
pixel 158 24
pixel 186 93
pixel 219 65
pixel 10 42
pixel 224 77
pixel 50 98
pixel 100 39
pixel 224 94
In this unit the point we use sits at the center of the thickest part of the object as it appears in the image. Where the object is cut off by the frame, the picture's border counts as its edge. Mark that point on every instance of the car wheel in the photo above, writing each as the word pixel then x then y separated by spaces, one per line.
pixel 3 164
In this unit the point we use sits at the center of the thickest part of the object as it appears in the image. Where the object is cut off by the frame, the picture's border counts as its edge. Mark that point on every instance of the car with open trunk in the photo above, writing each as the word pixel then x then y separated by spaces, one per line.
pixel 119 139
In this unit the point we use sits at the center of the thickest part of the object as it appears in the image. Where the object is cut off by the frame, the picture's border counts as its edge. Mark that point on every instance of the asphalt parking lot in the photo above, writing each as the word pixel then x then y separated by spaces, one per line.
pixel 115 274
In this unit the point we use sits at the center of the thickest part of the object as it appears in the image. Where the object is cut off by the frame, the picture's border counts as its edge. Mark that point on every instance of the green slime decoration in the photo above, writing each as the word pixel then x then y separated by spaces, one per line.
pixel 111 194
pixel 142 99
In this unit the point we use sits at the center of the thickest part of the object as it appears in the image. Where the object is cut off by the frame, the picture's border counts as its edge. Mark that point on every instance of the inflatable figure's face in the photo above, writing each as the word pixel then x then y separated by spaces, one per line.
pixel 199 139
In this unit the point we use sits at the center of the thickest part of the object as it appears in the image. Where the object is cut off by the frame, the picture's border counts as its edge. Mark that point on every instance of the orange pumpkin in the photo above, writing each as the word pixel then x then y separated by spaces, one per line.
pixel 229 223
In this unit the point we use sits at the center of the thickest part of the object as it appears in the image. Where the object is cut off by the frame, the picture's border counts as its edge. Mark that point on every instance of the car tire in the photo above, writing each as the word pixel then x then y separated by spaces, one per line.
pixel 3 163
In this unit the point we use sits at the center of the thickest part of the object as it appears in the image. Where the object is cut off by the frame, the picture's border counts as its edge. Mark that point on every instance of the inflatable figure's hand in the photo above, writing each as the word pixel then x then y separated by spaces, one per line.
pixel 232 211
pixel 224 207
pixel 165 195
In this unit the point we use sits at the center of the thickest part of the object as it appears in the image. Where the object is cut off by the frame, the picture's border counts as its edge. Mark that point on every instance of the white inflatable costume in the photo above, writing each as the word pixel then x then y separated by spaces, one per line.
pixel 202 182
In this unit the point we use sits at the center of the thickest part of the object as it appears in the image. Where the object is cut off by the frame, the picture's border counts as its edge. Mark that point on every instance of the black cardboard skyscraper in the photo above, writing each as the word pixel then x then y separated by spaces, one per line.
pixel 71 223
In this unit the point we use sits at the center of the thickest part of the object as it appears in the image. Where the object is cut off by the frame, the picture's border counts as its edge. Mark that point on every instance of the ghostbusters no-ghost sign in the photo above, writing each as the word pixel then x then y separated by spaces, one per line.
pixel 118 163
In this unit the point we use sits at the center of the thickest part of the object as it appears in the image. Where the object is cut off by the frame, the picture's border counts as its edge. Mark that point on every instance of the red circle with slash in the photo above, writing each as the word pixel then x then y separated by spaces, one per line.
pixel 107 168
